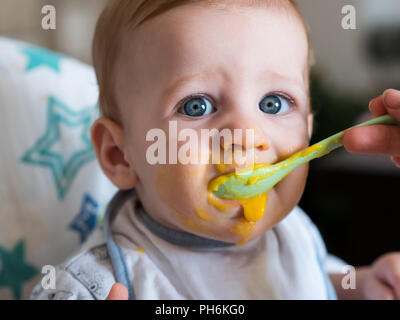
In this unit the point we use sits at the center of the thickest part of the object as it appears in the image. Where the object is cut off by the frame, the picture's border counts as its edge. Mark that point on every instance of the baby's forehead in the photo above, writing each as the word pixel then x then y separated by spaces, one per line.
pixel 179 50
pixel 172 30
pixel 282 7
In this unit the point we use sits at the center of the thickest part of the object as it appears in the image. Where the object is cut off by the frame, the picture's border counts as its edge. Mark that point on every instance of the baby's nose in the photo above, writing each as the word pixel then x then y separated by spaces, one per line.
pixel 245 138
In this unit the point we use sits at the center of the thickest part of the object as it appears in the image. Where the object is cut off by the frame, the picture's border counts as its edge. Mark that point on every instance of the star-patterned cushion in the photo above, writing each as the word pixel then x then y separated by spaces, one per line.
pixel 52 190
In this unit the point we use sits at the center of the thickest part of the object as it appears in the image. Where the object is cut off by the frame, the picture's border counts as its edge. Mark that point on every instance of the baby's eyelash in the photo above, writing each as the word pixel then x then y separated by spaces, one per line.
pixel 198 95
pixel 283 95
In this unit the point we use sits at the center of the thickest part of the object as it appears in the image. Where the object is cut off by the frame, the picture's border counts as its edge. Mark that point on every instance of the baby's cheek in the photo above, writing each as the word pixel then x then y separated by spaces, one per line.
pixel 291 137
pixel 291 144
pixel 179 188
pixel 291 188
pixel 168 186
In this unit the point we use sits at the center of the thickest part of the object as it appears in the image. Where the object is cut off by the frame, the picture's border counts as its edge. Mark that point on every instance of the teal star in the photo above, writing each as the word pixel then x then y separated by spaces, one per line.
pixel 86 220
pixel 14 270
pixel 57 149
pixel 40 57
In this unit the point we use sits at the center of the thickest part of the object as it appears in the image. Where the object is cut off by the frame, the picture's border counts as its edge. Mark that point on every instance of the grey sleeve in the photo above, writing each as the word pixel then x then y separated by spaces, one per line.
pixel 87 276
pixel 67 287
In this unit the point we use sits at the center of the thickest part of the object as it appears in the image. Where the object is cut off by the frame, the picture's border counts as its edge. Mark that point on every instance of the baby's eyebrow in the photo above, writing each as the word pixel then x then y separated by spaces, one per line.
pixel 169 93
pixel 186 79
pixel 297 84
pixel 281 78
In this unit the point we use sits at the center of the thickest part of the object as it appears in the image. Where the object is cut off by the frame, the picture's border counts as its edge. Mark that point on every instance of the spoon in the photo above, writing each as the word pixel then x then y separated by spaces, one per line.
pixel 249 182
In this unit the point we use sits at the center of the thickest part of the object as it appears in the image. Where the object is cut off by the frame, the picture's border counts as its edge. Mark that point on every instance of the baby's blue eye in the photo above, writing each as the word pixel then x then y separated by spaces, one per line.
pixel 197 107
pixel 274 104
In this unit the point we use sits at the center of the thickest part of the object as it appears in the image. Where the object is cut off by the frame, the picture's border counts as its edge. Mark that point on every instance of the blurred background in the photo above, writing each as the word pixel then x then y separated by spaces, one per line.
pixel 351 198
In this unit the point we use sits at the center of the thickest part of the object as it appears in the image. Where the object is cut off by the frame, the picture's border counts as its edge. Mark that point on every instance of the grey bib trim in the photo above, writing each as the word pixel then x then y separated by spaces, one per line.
pixel 175 237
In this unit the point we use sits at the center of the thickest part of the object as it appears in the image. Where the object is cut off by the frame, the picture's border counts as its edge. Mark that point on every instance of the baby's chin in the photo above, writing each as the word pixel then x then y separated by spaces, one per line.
pixel 231 225
pixel 237 231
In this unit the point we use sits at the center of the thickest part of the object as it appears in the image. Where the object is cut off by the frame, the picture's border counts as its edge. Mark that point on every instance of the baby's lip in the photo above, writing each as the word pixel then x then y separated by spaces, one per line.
pixel 228 168
pixel 227 206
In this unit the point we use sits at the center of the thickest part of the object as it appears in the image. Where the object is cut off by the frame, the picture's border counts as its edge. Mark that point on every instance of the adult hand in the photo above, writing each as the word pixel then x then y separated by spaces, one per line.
pixel 378 139
pixel 382 281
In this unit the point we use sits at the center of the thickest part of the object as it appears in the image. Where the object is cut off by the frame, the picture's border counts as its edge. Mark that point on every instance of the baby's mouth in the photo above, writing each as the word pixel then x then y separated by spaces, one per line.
pixel 252 208
pixel 231 207
pixel 228 168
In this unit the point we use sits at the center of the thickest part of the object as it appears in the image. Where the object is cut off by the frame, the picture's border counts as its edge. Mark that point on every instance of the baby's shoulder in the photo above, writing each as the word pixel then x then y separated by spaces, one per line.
pixel 86 276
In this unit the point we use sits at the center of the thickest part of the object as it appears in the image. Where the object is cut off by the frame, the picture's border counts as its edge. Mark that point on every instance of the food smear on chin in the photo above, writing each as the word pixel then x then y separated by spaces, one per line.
pixel 244 229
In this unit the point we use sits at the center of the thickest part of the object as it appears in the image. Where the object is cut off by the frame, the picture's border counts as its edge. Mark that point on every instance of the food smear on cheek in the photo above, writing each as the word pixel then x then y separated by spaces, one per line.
pixel 165 180
pixel 170 198
pixel 203 214
pixel 185 220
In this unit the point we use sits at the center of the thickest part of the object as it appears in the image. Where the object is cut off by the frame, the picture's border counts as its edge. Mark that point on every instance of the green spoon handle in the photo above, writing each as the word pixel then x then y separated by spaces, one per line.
pixel 317 150
pixel 335 141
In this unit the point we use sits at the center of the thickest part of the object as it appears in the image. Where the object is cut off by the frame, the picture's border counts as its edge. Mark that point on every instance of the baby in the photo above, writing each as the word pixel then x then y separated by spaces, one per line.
pixel 223 65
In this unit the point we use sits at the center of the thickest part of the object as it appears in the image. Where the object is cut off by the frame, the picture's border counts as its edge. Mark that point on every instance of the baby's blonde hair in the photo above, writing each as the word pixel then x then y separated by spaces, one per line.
pixel 122 15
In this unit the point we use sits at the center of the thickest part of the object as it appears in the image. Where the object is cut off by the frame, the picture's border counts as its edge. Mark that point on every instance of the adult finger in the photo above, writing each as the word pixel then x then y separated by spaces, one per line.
pixel 391 100
pixel 391 273
pixel 118 292
pixel 377 107
pixel 378 290
pixel 376 139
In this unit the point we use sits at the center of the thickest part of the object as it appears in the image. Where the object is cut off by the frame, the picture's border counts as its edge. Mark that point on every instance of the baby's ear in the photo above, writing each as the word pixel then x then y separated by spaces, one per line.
pixel 310 124
pixel 108 142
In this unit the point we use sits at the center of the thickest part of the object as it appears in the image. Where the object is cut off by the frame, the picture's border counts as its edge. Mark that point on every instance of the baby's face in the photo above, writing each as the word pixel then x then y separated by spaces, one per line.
pixel 207 68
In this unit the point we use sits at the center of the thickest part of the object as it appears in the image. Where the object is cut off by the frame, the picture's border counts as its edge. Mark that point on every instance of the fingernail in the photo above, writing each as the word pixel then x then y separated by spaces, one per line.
pixel 393 99
pixel 371 103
